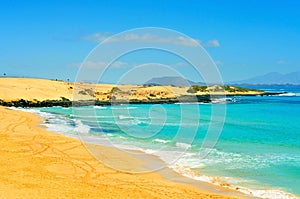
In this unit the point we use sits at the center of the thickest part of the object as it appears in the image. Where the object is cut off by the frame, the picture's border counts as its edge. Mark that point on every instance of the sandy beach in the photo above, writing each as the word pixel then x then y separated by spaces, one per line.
pixel 149 99
pixel 35 163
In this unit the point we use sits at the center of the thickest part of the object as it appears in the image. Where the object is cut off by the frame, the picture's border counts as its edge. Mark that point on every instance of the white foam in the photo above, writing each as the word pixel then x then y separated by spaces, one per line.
pixel 188 103
pixel 59 123
pixel 122 117
pixel 187 162
pixel 287 94
pixel 213 101
pixel 161 141
pixel 123 108
pixel 81 128
pixel 237 160
pixel 183 145
pixel 91 116
pixel 25 110
pixel 149 151
pixel 223 181
pixel 100 107
pixel 219 100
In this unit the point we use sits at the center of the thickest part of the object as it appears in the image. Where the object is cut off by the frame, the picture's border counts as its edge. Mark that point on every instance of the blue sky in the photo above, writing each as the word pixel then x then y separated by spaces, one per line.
pixel 50 39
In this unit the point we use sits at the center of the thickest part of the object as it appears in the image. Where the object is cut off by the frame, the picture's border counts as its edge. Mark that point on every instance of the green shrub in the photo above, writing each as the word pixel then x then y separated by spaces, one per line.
pixel 115 89
pixel 196 88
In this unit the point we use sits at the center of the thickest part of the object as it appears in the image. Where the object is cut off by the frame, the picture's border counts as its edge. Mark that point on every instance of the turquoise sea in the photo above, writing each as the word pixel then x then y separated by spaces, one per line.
pixel 257 151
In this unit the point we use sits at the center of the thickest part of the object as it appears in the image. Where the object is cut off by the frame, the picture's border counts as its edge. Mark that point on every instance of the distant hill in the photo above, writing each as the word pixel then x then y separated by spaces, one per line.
pixel 272 78
pixel 267 79
pixel 172 80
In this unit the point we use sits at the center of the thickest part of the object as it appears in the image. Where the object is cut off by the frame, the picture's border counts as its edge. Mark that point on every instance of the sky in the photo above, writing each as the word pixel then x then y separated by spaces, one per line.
pixel 51 39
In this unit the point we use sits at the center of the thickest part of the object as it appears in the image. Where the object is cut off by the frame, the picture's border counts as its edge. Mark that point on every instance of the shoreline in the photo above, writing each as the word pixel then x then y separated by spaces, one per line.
pixel 36 162
pixel 207 99
pixel 188 175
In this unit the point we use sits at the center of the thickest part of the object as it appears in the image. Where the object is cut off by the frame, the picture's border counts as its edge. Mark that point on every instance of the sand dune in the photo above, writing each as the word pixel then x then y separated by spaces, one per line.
pixel 41 89
pixel 30 89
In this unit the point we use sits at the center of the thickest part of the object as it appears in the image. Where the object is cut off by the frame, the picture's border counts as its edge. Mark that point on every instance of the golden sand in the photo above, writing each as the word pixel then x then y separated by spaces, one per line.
pixel 35 163
pixel 41 89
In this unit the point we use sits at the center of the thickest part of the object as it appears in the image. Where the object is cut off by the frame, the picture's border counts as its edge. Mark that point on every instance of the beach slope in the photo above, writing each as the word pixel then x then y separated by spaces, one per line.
pixel 35 163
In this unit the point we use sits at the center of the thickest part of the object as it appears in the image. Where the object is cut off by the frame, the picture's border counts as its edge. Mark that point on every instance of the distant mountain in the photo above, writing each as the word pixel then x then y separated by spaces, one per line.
pixel 272 78
pixel 267 79
pixel 172 80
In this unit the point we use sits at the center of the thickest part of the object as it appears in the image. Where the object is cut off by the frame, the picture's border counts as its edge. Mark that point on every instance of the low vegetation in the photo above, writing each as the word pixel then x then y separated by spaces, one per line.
pixel 115 89
pixel 196 88
pixel 231 89
pixel 237 89
pixel 88 91
pixel 64 102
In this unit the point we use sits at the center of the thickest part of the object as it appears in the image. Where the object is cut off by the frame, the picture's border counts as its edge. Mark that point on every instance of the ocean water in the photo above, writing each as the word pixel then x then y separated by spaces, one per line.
pixel 257 150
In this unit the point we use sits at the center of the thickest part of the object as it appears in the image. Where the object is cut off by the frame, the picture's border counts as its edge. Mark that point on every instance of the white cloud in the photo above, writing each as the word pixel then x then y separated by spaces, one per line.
pixel 212 43
pixel 101 64
pixel 281 62
pixel 97 37
pixel 119 64
pixel 180 40
pixel 218 62
pixel 180 64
